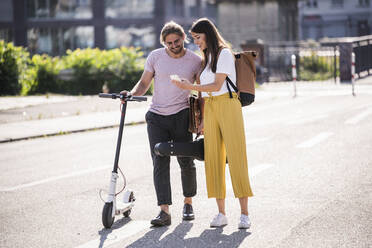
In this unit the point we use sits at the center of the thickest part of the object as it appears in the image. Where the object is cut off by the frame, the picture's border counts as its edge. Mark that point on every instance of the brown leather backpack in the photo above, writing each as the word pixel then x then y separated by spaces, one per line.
pixel 245 77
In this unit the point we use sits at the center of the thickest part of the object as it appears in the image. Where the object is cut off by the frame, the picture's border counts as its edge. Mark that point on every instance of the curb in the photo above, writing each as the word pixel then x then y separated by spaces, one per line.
pixel 69 132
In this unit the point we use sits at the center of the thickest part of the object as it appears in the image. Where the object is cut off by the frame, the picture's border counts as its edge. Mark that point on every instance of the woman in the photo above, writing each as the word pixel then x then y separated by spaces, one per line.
pixel 223 122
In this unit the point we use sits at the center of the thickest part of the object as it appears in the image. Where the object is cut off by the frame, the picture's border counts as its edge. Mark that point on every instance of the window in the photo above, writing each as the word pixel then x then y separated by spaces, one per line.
pixel 312 3
pixel 6 35
pixel 143 37
pixel 337 3
pixel 363 28
pixel 59 9
pixel 183 8
pixel 129 8
pixel 191 8
pixel 364 3
pixel 6 11
pixel 55 41
pixel 177 8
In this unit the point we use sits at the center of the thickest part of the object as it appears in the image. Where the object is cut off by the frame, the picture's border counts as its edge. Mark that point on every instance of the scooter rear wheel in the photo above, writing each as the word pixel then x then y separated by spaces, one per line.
pixel 107 218
pixel 130 199
pixel 127 213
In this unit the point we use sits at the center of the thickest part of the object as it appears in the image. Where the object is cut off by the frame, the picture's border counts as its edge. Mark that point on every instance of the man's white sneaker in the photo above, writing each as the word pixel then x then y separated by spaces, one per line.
pixel 244 223
pixel 219 220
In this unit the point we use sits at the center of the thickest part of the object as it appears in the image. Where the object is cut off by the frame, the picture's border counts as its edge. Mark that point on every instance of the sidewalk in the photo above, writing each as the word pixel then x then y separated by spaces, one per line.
pixel 39 116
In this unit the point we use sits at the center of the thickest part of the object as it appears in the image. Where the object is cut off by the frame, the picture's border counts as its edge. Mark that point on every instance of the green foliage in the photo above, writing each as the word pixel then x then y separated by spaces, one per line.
pixel 117 69
pixel 86 78
pixel 315 67
pixel 44 71
pixel 13 65
pixel 83 71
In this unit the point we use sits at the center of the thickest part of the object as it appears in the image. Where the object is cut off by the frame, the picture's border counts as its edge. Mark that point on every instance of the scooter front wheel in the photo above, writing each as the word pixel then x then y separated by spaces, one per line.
pixel 107 218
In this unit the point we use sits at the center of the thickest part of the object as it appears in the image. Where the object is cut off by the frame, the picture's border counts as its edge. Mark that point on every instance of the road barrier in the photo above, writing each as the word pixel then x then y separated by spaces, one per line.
pixel 353 73
pixel 294 74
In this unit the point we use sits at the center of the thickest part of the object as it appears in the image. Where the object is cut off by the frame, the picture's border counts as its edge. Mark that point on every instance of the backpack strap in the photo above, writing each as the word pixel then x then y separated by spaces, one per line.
pixel 228 88
pixel 228 80
pixel 228 83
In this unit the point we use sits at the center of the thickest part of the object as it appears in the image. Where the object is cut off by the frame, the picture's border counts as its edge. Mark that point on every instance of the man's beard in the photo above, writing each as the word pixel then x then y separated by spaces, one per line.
pixel 177 50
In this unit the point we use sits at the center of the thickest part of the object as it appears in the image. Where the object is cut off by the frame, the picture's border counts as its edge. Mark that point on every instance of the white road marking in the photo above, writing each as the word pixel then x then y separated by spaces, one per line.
pixel 306 120
pixel 55 178
pixel 258 169
pixel 117 235
pixel 359 117
pixel 362 106
pixel 83 172
pixel 290 101
pixel 315 140
pixel 253 141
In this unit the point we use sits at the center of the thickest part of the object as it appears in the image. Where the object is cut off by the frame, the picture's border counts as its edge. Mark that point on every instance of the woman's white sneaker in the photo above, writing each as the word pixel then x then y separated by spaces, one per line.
pixel 219 220
pixel 244 223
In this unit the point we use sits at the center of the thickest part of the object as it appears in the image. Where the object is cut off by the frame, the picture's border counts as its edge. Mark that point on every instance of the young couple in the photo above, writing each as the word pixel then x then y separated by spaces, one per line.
pixel 167 118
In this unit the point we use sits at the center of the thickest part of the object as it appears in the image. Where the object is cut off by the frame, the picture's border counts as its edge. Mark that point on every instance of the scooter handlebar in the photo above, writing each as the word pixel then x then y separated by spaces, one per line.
pixel 123 97
pixel 105 95
pixel 138 98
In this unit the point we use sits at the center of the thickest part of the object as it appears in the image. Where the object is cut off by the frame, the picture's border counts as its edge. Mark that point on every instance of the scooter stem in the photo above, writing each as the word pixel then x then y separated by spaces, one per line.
pixel 118 145
pixel 112 187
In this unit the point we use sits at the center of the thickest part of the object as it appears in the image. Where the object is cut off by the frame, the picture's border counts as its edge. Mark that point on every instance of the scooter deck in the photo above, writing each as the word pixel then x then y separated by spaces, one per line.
pixel 122 207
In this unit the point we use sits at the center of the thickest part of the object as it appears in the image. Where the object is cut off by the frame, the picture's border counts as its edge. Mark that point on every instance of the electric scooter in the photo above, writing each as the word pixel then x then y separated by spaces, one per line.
pixel 113 207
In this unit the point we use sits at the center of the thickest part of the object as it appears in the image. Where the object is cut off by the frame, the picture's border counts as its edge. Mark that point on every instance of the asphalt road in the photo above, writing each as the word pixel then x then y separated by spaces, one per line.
pixel 310 165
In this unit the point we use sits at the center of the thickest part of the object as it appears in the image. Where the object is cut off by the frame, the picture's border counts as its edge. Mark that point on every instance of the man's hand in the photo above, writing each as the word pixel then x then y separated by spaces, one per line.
pixel 183 83
pixel 125 93
pixel 175 77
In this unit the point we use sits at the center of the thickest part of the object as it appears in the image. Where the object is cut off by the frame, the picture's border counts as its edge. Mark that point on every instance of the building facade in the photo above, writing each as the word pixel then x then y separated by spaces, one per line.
pixel 53 26
pixel 334 18
pixel 267 20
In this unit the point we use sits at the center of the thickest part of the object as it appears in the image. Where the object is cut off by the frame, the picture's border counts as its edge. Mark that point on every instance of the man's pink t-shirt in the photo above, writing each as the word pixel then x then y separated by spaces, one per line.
pixel 167 98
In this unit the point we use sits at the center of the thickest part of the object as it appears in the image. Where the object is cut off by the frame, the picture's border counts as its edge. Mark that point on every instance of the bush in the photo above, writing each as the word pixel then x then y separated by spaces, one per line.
pixel 13 65
pixel 88 70
pixel 126 68
pixel 85 79
pixel 44 71
pixel 316 67
pixel 117 69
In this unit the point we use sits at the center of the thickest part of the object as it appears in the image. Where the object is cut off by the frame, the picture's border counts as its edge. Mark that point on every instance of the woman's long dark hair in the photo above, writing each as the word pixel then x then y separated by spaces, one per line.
pixel 214 41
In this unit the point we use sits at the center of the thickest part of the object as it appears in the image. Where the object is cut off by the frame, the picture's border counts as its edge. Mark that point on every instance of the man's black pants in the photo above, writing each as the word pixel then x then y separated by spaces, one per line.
pixel 161 128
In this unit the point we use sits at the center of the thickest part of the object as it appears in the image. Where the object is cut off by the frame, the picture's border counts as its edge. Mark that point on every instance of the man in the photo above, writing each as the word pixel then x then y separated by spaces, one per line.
pixel 167 118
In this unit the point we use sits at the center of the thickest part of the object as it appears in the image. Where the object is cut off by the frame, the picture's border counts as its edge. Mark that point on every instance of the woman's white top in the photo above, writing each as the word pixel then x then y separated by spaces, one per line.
pixel 225 65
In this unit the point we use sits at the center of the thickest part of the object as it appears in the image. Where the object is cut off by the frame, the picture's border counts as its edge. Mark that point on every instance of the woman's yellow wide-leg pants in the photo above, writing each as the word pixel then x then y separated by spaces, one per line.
pixel 224 136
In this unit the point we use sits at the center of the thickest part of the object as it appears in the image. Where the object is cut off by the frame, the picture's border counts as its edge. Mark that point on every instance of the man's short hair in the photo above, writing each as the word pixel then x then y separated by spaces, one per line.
pixel 171 28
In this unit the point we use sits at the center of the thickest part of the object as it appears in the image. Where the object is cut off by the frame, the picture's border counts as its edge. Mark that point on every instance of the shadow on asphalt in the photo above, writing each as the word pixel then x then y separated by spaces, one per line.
pixel 208 238
pixel 116 225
